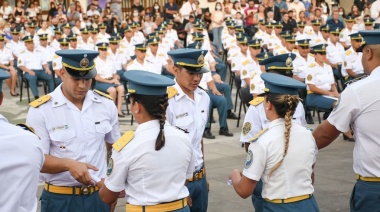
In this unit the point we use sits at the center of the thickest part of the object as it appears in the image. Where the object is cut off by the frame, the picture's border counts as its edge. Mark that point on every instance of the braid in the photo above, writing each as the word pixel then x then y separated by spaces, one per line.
pixel 155 106
pixel 289 104
pixel 163 104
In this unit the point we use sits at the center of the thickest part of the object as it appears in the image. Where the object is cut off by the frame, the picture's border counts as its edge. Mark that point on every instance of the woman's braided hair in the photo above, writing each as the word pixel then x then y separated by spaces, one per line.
pixel 156 107
pixel 285 106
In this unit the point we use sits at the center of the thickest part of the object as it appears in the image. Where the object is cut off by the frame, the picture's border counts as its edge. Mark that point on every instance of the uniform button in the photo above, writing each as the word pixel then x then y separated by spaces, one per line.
pixel 95 98
pixel 55 103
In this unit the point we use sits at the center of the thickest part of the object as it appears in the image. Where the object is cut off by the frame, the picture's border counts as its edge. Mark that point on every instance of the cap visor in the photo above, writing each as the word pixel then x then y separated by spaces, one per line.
pixel 197 70
pixel 360 49
pixel 82 74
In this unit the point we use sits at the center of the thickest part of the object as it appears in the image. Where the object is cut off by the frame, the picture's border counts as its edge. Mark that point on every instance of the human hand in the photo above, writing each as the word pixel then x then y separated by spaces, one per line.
pixel 31 73
pixel 79 171
pixel 189 201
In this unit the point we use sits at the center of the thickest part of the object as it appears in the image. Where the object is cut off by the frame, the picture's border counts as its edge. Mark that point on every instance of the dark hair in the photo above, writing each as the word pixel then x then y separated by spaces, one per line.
pixel 155 106
pixel 285 106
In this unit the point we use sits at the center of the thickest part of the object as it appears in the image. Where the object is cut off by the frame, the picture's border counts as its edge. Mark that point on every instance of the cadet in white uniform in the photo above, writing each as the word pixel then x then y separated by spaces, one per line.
pixel 3 76
pixel 282 155
pixel 85 42
pixel 84 123
pixel 107 80
pixel 16 45
pixel 358 108
pixel 156 60
pixel 118 56
pixel 32 63
pixel 344 37
pixel 20 170
pixel 189 110
pixel 353 60
pixel 335 51
pixel 255 119
pixel 322 91
pixel 57 60
pixel 153 163
pixel 139 62
pixel 7 66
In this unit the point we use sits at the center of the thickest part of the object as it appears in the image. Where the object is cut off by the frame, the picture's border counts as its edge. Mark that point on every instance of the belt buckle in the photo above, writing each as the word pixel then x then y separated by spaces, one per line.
pixel 196 176
pixel 85 190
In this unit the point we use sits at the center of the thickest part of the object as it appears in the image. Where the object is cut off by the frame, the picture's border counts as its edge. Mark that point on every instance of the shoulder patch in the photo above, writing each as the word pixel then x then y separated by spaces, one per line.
pixel 172 91
pixel 311 65
pixel 348 52
pixel 103 94
pixel 40 101
pixel 55 56
pixel 254 138
pixel 256 101
pixel 123 141
pixel 246 128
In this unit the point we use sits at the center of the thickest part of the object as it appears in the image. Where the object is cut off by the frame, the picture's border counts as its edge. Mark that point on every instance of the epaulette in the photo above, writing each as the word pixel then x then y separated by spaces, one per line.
pixel 40 101
pixel 311 65
pixel 257 136
pixel 171 91
pixel 311 54
pixel 123 141
pixel 55 56
pixel 130 63
pixel 348 52
pixel 277 47
pixel 26 127
pixel 256 101
pixel 22 51
pixel 103 94
pixel 356 79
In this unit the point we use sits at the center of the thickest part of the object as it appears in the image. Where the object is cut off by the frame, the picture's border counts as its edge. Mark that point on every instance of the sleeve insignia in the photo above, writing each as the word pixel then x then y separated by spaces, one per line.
pixel 246 128
pixel 309 77
pixel 244 72
pixel 40 101
pixel 123 141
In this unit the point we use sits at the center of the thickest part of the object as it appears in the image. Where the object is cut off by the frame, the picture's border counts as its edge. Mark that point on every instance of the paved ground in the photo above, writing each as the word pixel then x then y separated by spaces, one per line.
pixel 334 177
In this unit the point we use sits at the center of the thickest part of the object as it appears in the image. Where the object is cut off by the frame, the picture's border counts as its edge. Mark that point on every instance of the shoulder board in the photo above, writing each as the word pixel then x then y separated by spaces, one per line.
pixel 257 136
pixel 311 54
pixel 256 101
pixel 348 52
pixel 277 47
pixel 103 94
pixel 40 101
pixel 356 79
pixel 26 127
pixel 55 56
pixel 130 63
pixel 235 55
pixel 311 65
pixel 123 141
pixel 295 50
pixel 121 52
pixel 22 51
pixel 172 91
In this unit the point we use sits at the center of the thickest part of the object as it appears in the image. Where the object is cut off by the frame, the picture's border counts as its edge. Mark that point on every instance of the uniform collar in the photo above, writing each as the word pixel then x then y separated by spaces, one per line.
pixel 59 99
pixel 148 125
pixel 181 94
pixel 276 122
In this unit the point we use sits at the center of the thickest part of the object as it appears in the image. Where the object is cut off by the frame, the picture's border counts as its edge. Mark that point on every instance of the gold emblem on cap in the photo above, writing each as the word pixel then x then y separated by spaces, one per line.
pixel 266 55
pixel 155 40
pixel 196 47
pixel 257 41
pixel 201 59
pixel 289 61
pixel 104 45
pixel 84 62
pixel 317 21
pixel 245 40
pixel 323 47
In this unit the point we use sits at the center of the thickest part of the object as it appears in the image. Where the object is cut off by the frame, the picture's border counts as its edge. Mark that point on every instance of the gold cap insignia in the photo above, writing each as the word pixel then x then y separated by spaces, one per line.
pixel 266 55
pixel 323 47
pixel 155 40
pixel 104 45
pixel 257 42
pixel 84 62
pixel 245 39
pixel 201 59
pixel 289 61
pixel 317 21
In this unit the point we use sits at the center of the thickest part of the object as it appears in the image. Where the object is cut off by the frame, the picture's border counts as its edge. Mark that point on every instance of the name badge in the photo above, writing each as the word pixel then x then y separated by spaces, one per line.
pixel 63 127
pixel 182 115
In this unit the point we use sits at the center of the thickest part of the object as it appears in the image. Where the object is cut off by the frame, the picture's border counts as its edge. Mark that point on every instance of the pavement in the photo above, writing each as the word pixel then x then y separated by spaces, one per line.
pixel 334 176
